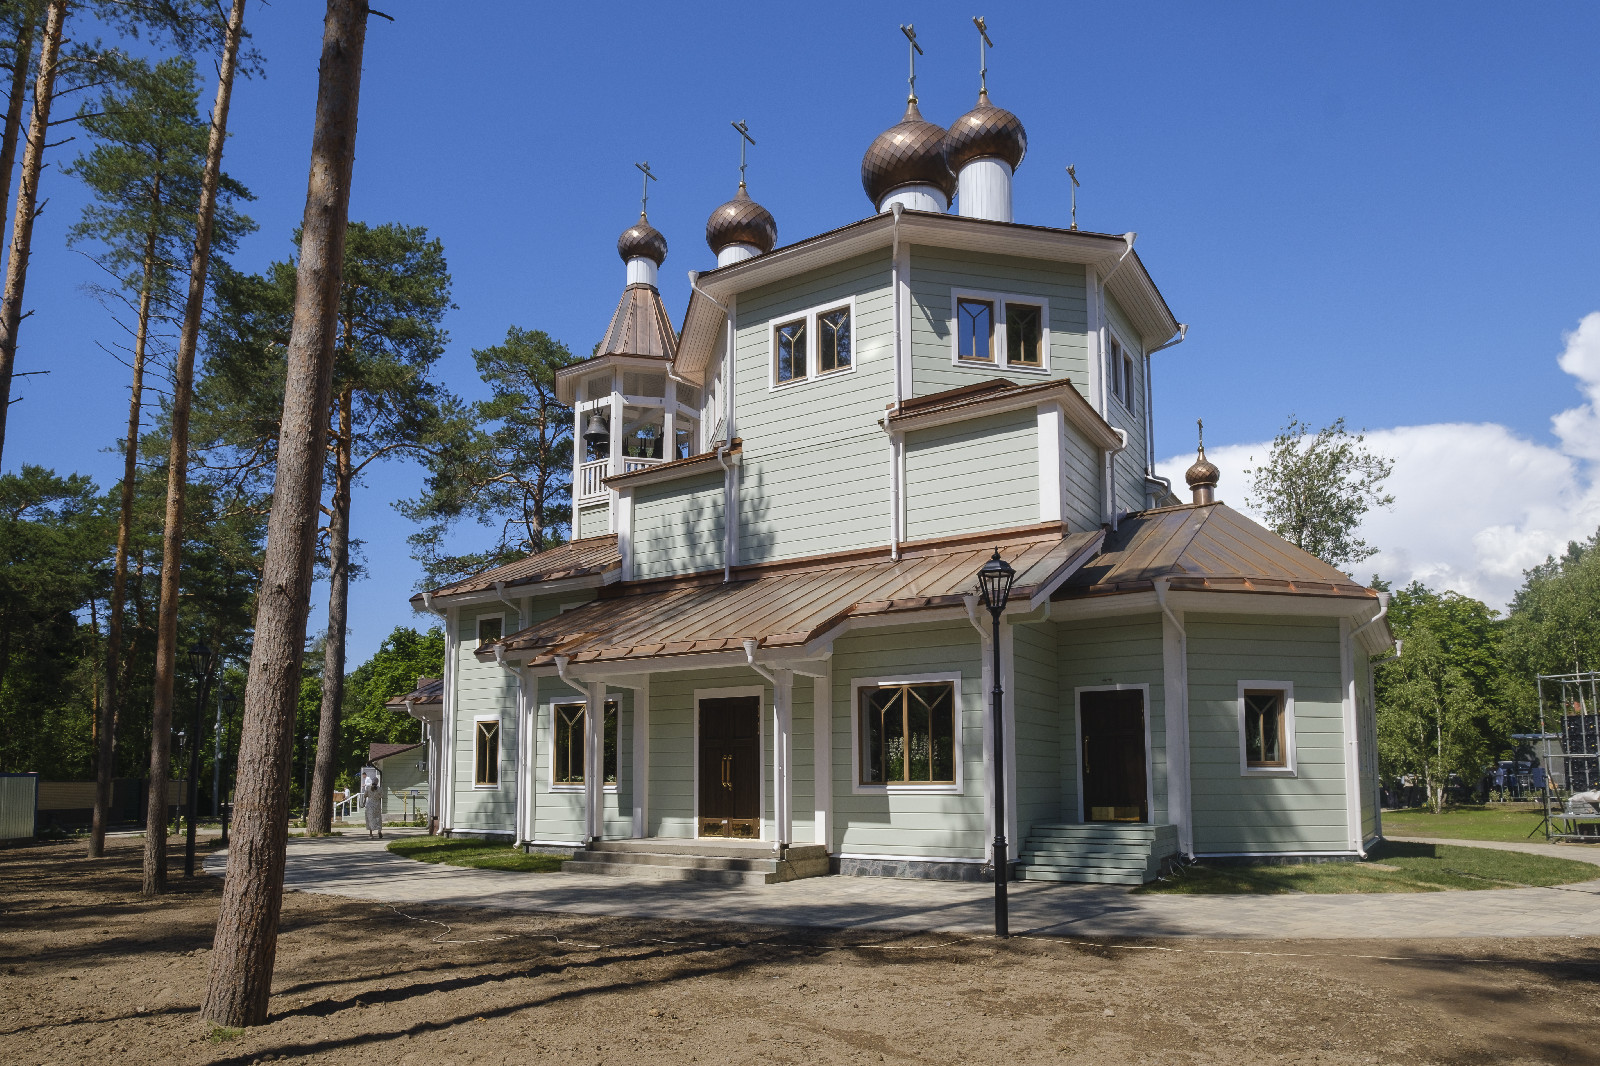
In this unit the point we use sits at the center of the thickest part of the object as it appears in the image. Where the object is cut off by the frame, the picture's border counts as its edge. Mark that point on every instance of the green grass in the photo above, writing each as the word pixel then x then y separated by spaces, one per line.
pixel 478 854
pixel 1411 868
pixel 1497 821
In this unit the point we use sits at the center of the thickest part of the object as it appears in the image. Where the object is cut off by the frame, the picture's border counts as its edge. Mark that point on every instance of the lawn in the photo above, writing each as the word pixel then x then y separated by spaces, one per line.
pixel 1394 867
pixel 1497 821
pixel 478 854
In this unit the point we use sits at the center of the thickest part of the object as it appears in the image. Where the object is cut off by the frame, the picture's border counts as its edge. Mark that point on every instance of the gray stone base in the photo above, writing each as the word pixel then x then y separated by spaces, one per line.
pixel 557 850
pixel 478 834
pixel 916 868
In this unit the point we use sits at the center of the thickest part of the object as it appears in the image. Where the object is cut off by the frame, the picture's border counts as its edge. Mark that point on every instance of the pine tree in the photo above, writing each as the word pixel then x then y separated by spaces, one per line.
pixel 145 172
pixel 240 982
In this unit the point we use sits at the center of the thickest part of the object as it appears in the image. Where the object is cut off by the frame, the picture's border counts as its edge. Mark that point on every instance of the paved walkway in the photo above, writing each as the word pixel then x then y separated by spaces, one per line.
pixel 357 868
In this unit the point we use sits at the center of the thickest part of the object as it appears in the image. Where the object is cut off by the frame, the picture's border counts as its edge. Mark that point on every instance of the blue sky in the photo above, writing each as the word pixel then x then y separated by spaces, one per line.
pixel 1377 211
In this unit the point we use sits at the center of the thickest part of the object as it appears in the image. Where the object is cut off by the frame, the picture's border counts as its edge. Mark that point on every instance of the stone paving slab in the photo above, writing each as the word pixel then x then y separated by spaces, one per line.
pixel 362 869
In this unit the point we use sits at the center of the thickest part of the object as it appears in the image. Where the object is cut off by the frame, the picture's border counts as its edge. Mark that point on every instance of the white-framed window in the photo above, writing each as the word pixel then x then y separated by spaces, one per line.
pixel 567 722
pixel 906 734
pixel 994 329
pixel 1266 729
pixel 491 627
pixel 815 343
pixel 1122 370
pixel 486 751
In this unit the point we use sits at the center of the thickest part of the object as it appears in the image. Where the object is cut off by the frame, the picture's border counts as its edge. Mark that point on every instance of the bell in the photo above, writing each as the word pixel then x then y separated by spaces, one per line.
pixel 597 432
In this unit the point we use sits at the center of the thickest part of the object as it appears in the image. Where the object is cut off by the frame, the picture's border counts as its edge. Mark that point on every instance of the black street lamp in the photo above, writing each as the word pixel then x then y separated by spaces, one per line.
pixel 199 661
pixel 230 702
pixel 996 579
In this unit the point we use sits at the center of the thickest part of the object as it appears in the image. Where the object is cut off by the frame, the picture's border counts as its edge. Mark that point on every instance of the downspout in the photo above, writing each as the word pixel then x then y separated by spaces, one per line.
pixel 894 282
pixel 500 594
pixel 1101 285
pixel 1170 700
pixel 727 505
pixel 1150 405
pixel 522 696
pixel 1109 480
pixel 895 489
pixel 728 430
pixel 1372 702
pixel 782 788
pixel 1383 612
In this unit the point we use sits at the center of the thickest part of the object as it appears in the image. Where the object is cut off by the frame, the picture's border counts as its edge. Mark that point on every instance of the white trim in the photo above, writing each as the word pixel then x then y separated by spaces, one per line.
pixel 1091 289
pixel 477 626
pixel 760 693
pixel 814 370
pixel 625 530
pixel 1131 355
pixel 1352 746
pixel 1008 721
pixel 1290 766
pixel 580 787
pixel 942 677
pixel 822 756
pixel 528 750
pixel 452 649
pixel 499 753
pixel 1175 716
pixel 1149 755
pixel 1002 357
pixel 641 758
pixel 1052 462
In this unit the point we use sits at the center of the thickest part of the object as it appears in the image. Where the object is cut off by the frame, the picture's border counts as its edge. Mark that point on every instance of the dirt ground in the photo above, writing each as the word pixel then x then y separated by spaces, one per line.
pixel 92 973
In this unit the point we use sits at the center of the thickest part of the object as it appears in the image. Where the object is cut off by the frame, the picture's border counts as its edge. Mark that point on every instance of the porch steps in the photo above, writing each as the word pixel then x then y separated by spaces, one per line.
pixel 719 862
pixel 1117 853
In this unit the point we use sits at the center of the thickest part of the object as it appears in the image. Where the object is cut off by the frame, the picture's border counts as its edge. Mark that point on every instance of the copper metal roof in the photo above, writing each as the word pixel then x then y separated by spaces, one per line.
pixel 786 605
pixel 642 240
pixel 640 325
pixel 741 221
pixel 1207 547
pixel 577 558
pixel 911 152
pixel 383 751
pixel 429 690
pixel 985 131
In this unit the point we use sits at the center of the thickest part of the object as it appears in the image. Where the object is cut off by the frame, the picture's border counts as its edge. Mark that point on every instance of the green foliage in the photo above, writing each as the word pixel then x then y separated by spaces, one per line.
pixel 1554 626
pixel 1511 822
pixel 1315 489
pixel 53 534
pixel 511 470
pixel 1440 706
pixel 477 854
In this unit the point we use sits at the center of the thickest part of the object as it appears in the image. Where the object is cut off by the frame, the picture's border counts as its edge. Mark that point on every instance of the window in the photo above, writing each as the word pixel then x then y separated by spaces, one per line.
pixel 994 329
pixel 567 766
pixel 1022 335
pixel 1266 728
pixel 908 734
pixel 833 340
pixel 486 754
pixel 791 351
pixel 975 331
pixel 1122 373
pixel 490 628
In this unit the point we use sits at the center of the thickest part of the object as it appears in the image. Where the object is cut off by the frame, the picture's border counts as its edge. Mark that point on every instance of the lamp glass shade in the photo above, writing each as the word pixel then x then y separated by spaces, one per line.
pixel 200 659
pixel 996 579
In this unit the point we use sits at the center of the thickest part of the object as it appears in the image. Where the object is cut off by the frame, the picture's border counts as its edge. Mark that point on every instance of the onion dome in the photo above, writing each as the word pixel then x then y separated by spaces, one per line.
pixel 642 241
pixel 741 221
pixel 985 132
pixel 911 152
pixel 1203 477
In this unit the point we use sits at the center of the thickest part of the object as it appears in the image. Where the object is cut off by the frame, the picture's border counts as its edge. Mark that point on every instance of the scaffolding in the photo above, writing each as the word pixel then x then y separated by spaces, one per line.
pixel 1573 700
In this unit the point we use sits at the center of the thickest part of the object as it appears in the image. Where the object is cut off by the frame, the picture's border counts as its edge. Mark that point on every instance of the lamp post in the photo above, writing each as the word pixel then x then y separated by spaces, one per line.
pixel 200 660
pixel 995 579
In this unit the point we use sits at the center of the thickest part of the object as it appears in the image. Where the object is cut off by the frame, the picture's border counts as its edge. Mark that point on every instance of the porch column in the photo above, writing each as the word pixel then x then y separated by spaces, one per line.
pixel 1175 707
pixel 594 791
pixel 783 748
pixel 641 759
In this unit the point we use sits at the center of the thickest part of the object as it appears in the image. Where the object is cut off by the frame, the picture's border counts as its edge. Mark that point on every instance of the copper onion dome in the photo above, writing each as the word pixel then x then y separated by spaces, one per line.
pixel 985 132
pixel 642 241
pixel 1203 475
pixel 911 152
pixel 741 221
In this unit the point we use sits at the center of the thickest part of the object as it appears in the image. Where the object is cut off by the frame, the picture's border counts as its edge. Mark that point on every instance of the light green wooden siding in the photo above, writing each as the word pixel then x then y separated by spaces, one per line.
pixel 935 271
pixel 404 772
pixel 1080 504
pixel 593 521
pixel 968 477
pixel 1234 813
pixel 678 526
pixel 909 824
pixel 1128 465
pixel 1099 654
pixel 1036 712
pixel 558 814
pixel 816 463
pixel 483 689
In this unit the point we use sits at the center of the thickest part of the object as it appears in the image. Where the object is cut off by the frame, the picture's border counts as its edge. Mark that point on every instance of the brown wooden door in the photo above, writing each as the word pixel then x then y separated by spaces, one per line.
pixel 730 767
pixel 1112 751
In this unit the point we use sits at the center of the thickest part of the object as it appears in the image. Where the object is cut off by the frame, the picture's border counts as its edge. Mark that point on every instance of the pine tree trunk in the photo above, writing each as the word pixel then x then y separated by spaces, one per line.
pixel 319 804
pixel 105 764
pixel 44 88
pixel 23 58
pixel 155 844
pixel 240 982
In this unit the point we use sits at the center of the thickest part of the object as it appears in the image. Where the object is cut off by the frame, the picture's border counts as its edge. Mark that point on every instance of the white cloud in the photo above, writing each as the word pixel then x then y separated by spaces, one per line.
pixel 1475 504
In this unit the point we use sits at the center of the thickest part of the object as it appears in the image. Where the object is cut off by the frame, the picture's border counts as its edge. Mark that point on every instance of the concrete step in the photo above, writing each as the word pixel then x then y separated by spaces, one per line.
pixel 646 871
pixel 1086 875
pixel 1121 830
pixel 1069 848
pixel 730 848
pixel 1105 862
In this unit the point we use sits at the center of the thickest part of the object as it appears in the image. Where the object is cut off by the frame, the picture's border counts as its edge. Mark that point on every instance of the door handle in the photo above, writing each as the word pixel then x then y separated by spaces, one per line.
pixel 1086 755
pixel 727 772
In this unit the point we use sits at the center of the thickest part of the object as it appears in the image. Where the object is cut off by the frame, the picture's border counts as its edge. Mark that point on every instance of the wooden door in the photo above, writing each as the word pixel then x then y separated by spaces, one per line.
pixel 1111 725
pixel 730 767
